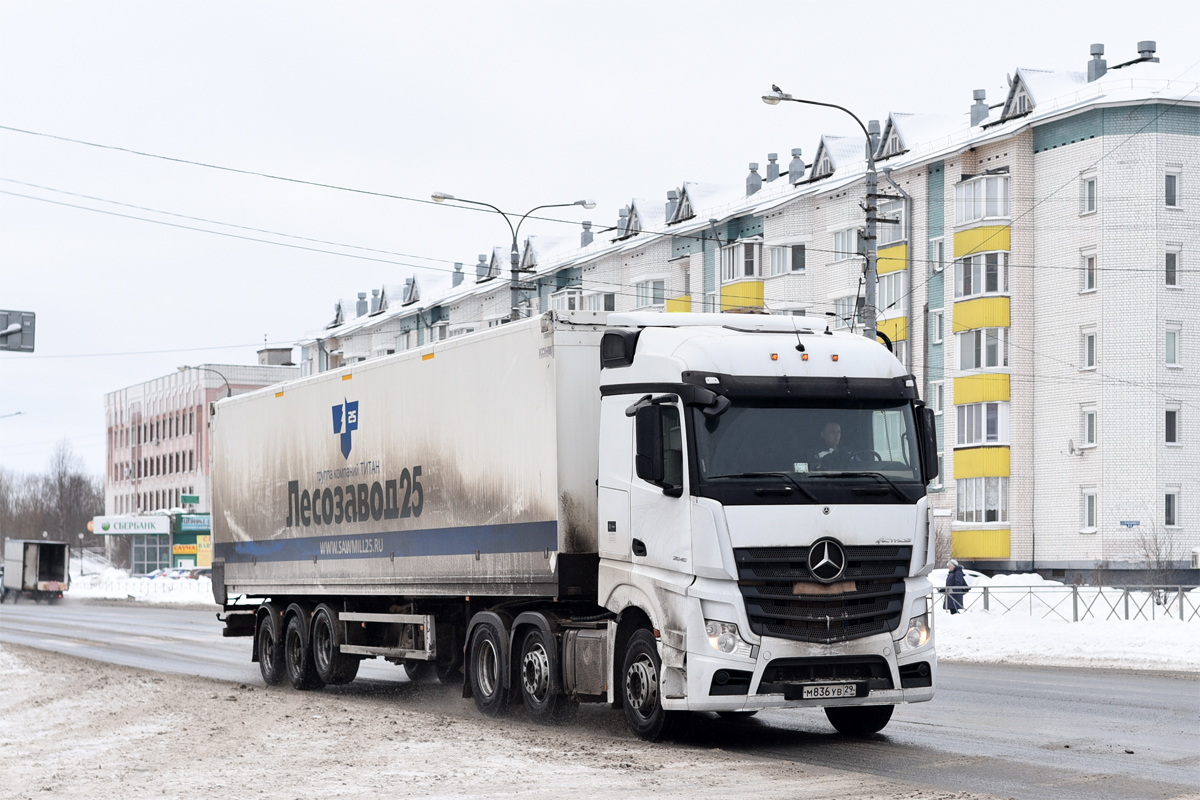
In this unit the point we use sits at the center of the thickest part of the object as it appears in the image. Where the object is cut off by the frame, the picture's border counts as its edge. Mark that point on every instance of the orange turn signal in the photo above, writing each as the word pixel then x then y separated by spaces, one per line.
pixel 835 356
pixel 774 356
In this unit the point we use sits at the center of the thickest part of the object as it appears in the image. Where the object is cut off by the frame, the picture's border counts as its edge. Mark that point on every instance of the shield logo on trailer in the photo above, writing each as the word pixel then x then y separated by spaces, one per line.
pixel 345 422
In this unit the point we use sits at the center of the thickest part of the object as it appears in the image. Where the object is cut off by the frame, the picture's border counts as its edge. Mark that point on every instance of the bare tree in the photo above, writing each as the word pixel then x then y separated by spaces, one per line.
pixel 61 501
pixel 1159 553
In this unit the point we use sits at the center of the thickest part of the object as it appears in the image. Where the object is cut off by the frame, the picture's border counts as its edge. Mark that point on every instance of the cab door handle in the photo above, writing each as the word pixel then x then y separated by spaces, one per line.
pixel 639 547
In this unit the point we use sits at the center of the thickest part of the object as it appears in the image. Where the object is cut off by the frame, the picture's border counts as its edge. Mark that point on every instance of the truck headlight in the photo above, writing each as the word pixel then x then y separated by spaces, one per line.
pixel 918 632
pixel 724 638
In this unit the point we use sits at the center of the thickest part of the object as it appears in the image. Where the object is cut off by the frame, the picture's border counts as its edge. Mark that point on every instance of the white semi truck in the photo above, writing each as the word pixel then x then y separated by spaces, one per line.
pixel 663 512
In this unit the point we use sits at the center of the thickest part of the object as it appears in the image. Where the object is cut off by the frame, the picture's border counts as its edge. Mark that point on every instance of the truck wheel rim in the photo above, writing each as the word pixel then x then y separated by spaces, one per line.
pixel 535 672
pixel 295 652
pixel 267 650
pixel 323 648
pixel 641 687
pixel 486 664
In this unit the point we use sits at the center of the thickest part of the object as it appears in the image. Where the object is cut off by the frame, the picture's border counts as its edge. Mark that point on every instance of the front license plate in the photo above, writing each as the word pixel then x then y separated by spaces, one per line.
pixel 830 690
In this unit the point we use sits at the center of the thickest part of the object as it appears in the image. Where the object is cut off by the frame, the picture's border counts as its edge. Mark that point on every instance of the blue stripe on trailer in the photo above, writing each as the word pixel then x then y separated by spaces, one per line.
pixel 520 537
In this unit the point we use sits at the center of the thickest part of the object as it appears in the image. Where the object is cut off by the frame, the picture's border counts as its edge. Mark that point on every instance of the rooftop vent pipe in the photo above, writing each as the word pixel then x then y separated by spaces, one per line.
pixel 622 221
pixel 585 236
pixel 796 168
pixel 1097 66
pixel 979 109
pixel 360 307
pixel 374 300
pixel 672 203
pixel 457 278
pixel 753 180
pixel 1146 50
pixel 772 166
pixel 873 135
pixel 481 269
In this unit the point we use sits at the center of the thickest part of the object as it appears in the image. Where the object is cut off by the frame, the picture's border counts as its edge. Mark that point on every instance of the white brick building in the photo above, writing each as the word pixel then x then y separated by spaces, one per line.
pixel 1042 282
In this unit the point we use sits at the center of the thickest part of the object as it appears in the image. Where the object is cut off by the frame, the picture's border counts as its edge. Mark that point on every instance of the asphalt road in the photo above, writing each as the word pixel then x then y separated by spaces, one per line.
pixel 1022 732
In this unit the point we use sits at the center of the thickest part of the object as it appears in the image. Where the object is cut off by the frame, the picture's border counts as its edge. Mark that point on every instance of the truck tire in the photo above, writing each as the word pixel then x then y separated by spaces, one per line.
pixel 269 646
pixel 859 720
pixel 298 658
pixel 487 671
pixel 333 666
pixel 540 681
pixel 418 671
pixel 640 689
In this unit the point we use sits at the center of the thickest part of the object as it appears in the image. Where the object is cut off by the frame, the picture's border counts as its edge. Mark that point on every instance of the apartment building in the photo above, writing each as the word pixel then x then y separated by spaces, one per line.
pixel 1036 271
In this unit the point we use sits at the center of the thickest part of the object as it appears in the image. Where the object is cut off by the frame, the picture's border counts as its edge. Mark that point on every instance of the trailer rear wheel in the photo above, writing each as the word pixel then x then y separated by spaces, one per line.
pixel 541 687
pixel 487 671
pixel 333 666
pixel 418 671
pixel 859 720
pixel 269 645
pixel 298 658
pixel 640 689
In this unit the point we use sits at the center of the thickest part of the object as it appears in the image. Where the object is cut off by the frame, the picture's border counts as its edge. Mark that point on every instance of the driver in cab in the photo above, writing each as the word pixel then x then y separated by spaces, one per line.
pixel 831 454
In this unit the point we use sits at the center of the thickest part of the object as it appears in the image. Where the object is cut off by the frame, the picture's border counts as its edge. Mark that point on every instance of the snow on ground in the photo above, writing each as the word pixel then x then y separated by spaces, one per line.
pixel 1018 628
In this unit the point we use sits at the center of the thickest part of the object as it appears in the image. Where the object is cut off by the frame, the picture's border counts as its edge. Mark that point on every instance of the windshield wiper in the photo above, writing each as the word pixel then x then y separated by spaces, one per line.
pixel 878 475
pixel 783 475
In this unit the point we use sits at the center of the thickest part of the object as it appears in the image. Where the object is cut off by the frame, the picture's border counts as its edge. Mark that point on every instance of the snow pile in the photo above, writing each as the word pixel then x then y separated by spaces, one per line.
pixel 115 584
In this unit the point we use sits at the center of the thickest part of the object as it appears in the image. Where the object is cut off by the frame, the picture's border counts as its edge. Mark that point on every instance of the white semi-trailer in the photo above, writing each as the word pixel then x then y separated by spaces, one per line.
pixel 664 512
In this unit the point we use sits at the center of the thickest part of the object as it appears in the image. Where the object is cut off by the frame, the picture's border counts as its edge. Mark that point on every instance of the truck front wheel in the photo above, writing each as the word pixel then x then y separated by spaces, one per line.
pixel 487 671
pixel 640 689
pixel 269 645
pixel 298 659
pixel 859 720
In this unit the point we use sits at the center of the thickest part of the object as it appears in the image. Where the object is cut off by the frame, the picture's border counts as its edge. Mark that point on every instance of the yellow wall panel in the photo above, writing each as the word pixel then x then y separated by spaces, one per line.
pixel 892 259
pixel 680 304
pixel 981 388
pixel 981 544
pixel 895 328
pixel 981 462
pixel 983 312
pixel 981 239
pixel 744 294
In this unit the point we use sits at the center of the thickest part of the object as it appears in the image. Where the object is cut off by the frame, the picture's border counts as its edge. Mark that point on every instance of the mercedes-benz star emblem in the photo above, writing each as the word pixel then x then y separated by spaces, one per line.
pixel 826 560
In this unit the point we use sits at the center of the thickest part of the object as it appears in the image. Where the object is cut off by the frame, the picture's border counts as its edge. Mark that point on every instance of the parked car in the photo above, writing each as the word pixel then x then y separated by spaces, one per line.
pixel 200 572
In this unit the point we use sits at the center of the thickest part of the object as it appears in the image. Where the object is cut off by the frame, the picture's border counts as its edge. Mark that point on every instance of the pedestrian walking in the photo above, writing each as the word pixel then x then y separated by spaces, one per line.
pixel 956 586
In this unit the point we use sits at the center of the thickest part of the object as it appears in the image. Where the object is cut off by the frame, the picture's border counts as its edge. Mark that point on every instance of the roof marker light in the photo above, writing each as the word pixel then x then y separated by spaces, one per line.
pixel 834 356
pixel 804 356
pixel 774 356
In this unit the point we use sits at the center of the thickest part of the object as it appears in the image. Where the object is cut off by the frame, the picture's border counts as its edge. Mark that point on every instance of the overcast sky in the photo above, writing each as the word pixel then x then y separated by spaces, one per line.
pixel 516 104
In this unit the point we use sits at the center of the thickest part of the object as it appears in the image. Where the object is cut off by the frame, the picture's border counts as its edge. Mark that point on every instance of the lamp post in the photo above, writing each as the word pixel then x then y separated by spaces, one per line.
pixel 441 197
pixel 775 98
pixel 228 389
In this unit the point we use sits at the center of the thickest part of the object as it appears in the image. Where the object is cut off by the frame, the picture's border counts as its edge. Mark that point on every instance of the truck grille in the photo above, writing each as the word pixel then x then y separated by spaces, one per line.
pixel 772 581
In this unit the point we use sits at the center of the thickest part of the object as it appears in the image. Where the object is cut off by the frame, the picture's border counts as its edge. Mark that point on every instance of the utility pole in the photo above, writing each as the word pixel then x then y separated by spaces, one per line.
pixel 871 206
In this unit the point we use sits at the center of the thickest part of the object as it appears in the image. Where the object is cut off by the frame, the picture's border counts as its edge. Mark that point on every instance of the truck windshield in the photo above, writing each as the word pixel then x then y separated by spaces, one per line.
pixel 800 441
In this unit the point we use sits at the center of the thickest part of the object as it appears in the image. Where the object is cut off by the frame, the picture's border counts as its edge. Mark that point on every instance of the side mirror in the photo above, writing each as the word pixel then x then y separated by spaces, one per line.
pixel 929 448
pixel 648 461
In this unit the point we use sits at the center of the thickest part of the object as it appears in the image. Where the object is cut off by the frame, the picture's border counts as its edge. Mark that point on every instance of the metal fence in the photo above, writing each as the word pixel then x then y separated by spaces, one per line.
pixel 1077 603
pixel 200 588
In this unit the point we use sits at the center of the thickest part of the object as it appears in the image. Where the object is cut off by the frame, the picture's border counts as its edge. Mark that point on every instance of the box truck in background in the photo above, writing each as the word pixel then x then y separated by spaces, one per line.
pixel 663 512
pixel 35 568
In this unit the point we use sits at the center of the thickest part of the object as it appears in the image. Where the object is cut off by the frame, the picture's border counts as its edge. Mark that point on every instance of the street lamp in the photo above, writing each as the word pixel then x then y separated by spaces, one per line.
pixel 778 96
pixel 441 197
pixel 228 390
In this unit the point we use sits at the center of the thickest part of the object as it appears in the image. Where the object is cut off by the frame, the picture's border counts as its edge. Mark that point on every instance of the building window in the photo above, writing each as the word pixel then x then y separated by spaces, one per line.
pixel 600 301
pixel 1172 269
pixel 900 350
pixel 983 348
pixel 1171 509
pixel 651 293
pixel 936 323
pixel 981 198
pixel 1171 190
pixel 892 232
pixel 936 483
pixel 1089 351
pixel 1089 195
pixel 1088 273
pixel 845 244
pixel 982 499
pixel 985 273
pixel 740 261
pixel 1089 427
pixel 567 300
pixel 892 293
pixel 937 396
pixel 1172 347
pixel 1171 426
pixel 787 259
pixel 845 312
pixel 937 255
pixel 1089 511
pixel 982 424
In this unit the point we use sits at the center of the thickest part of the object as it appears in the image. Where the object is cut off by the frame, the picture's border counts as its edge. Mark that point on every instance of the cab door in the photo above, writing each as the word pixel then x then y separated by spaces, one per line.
pixel 659 511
